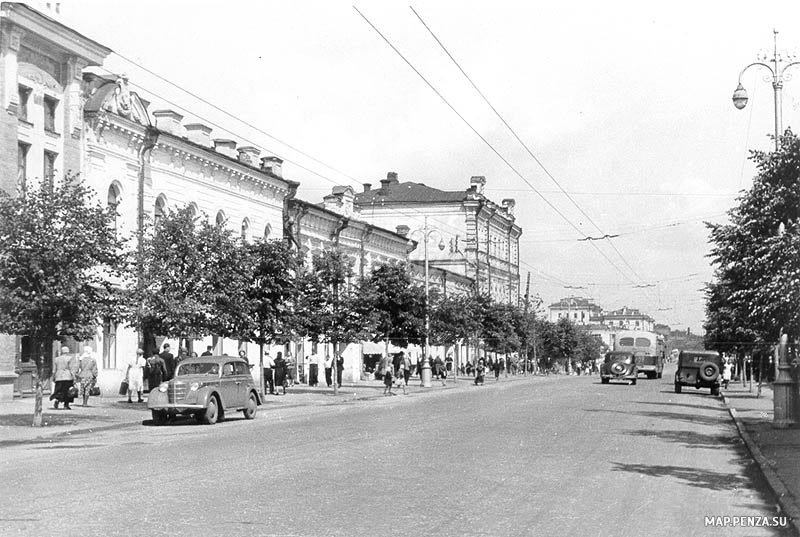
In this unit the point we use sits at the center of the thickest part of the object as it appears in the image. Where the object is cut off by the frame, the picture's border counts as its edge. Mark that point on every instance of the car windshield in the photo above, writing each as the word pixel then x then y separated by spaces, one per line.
pixel 618 357
pixel 197 369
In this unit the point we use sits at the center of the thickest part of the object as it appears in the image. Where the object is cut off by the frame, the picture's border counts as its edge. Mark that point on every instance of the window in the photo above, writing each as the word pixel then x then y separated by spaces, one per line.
pixel 114 197
pixel 245 229
pixel 267 231
pixel 22 164
pixel 49 166
pixel 24 96
pixel 220 218
pixel 160 210
pixel 50 106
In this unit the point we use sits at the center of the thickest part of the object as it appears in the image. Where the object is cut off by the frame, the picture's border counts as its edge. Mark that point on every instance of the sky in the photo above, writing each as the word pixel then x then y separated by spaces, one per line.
pixel 626 107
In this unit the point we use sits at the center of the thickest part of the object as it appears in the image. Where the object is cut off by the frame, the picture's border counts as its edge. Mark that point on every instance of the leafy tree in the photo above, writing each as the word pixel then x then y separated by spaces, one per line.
pixel 272 294
pixel 195 280
pixel 398 305
pixel 59 254
pixel 757 264
pixel 452 319
pixel 499 328
pixel 329 310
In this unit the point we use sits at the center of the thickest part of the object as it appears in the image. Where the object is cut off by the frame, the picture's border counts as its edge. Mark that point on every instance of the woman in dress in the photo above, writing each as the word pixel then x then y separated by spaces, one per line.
pixel 480 371
pixel 87 374
pixel 385 368
pixel 135 376
pixel 280 372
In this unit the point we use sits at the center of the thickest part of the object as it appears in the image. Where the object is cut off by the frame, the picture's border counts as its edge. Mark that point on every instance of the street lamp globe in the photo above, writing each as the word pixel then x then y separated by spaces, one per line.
pixel 740 97
pixel 441 245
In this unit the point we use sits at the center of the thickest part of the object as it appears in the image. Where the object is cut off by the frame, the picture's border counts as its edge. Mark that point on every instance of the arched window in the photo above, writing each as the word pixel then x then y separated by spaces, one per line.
pixel 160 209
pixel 114 198
pixel 193 210
pixel 221 218
pixel 245 229
pixel 267 231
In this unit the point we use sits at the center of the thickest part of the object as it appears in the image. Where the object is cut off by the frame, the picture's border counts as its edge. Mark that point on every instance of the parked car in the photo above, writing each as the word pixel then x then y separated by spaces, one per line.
pixel 619 365
pixel 701 369
pixel 207 387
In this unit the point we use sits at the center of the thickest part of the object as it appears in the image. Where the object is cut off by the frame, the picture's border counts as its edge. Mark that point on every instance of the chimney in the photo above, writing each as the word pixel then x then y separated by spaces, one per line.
pixel 478 181
pixel 367 187
pixel 273 165
pixel 403 230
pixel 248 155
pixel 392 177
pixel 508 205
pixel 168 121
pixel 199 134
pixel 225 147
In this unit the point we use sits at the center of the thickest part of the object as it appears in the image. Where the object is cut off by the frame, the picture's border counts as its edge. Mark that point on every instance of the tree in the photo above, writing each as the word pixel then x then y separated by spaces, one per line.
pixel 272 293
pixel 332 311
pixel 757 254
pixel 59 254
pixel 398 305
pixel 194 281
pixel 452 320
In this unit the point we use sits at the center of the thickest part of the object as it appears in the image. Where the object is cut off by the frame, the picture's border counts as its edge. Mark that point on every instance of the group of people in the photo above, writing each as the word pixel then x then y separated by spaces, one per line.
pixel 73 376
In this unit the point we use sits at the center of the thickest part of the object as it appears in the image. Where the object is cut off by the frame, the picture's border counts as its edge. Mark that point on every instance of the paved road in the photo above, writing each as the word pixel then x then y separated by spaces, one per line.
pixel 542 456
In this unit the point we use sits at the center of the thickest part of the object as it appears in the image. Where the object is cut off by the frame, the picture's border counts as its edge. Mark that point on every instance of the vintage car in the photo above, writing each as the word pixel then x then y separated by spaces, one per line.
pixel 207 388
pixel 701 369
pixel 619 365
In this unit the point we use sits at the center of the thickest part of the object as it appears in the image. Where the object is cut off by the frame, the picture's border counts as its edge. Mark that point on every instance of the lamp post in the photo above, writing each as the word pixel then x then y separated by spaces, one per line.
pixel 784 397
pixel 777 69
pixel 425 373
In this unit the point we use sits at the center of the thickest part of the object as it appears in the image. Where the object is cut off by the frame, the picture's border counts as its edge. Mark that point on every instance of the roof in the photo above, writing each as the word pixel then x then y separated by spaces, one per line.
pixel 576 302
pixel 408 192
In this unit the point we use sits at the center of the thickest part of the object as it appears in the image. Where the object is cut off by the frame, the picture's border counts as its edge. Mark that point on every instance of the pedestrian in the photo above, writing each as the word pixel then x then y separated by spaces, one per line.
pixel 243 356
pixel 468 367
pixel 135 376
pixel 290 369
pixel 480 370
pixel 65 367
pixel 727 373
pixel 498 365
pixel 87 374
pixel 448 364
pixel 193 355
pixel 385 368
pixel 339 369
pixel 439 370
pixel 313 369
pixel 328 370
pixel 269 379
pixel 209 351
pixel 169 362
pixel 157 372
pixel 280 372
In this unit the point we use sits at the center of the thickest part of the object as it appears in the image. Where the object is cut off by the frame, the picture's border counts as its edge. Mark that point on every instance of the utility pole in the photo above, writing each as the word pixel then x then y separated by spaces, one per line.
pixel 525 316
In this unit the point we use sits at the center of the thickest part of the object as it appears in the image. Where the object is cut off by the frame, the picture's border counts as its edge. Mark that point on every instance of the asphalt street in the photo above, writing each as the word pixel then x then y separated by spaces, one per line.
pixel 538 456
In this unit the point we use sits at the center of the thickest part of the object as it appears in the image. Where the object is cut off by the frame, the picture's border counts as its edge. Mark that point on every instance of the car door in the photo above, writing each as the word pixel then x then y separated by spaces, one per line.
pixel 228 386
pixel 242 373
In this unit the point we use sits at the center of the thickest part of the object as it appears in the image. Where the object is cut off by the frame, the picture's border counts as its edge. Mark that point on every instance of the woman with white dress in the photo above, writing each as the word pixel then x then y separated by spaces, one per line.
pixel 135 376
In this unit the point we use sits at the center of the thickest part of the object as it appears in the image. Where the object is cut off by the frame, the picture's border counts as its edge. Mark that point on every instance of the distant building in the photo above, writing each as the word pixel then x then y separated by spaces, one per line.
pixel 578 310
pixel 628 319
pixel 467 233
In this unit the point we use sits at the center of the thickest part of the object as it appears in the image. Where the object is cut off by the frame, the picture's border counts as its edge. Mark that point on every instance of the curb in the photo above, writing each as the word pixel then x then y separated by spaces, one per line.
pixel 779 489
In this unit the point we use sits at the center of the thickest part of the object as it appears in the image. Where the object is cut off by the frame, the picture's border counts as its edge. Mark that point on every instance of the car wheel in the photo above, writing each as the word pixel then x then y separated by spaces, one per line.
pixel 211 413
pixel 159 417
pixel 604 380
pixel 252 405
pixel 677 388
pixel 709 371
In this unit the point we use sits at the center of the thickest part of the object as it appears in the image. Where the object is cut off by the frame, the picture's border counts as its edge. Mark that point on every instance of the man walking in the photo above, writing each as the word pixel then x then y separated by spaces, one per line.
pixel 328 370
pixel 313 369
pixel 169 362
pixel 269 379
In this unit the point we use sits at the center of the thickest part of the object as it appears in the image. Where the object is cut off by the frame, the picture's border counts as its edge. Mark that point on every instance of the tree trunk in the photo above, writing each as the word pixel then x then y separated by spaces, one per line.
pixel 37 402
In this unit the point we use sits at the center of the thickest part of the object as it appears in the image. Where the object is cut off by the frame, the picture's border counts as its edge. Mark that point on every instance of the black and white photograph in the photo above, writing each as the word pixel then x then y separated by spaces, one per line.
pixel 379 268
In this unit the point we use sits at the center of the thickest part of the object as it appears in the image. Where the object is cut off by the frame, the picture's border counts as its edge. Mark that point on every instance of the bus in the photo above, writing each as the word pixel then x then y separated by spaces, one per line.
pixel 647 347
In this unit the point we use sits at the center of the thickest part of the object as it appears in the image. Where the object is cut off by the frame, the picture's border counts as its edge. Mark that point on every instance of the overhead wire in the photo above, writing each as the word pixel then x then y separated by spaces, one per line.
pixel 485 141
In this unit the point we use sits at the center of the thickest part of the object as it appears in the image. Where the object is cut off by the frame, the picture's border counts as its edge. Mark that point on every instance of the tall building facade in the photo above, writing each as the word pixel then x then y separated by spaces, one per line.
pixel 466 233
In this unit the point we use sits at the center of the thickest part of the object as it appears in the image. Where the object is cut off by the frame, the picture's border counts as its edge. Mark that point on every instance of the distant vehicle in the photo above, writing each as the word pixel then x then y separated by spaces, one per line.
pixel 647 347
pixel 701 369
pixel 619 366
pixel 207 388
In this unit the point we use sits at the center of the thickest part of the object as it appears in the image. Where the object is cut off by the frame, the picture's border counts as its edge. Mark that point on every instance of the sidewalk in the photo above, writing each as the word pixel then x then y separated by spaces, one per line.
pixel 114 412
pixel 777 451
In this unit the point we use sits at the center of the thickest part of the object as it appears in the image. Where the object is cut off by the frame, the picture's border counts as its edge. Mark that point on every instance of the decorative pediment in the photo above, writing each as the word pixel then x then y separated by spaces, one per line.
pixel 36 74
pixel 117 98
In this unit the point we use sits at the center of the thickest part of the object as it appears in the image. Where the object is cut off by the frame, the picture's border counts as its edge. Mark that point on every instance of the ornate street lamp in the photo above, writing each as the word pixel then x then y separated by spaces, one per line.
pixel 425 373
pixel 777 69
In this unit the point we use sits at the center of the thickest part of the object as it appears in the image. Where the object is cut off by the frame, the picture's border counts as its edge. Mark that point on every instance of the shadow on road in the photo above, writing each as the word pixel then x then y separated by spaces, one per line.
pixel 54 418
pixel 689 439
pixel 693 477
pixel 684 405
pixel 672 416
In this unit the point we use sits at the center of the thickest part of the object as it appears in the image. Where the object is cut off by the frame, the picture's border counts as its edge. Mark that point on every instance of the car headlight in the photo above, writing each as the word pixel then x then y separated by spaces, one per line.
pixel 194 386
pixel 163 386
